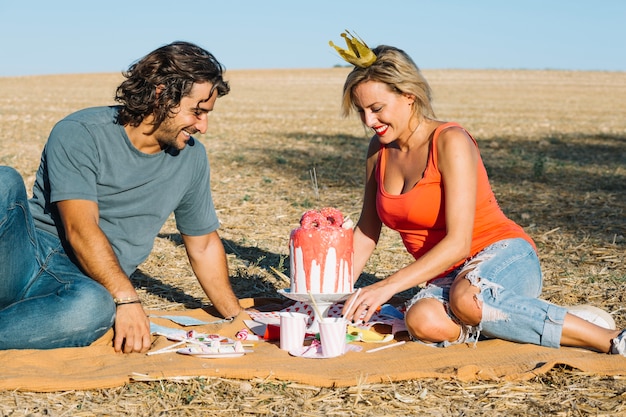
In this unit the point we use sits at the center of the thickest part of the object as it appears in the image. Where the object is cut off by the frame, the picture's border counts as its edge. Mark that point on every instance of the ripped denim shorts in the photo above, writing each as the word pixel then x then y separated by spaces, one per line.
pixel 509 277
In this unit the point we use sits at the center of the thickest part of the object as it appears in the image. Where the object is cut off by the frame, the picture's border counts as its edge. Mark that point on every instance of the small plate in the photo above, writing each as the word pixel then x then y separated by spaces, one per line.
pixel 313 352
pixel 206 355
pixel 307 352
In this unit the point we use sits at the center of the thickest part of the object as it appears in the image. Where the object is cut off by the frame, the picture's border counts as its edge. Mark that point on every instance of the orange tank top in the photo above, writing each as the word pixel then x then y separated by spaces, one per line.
pixel 419 214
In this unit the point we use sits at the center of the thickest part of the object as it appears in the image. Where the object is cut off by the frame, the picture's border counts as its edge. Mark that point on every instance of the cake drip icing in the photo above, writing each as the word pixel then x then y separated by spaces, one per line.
pixel 321 254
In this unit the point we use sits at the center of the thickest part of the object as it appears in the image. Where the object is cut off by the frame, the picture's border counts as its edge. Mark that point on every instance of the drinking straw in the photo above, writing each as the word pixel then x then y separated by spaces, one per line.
pixel 356 295
pixel 386 347
pixel 166 349
pixel 318 314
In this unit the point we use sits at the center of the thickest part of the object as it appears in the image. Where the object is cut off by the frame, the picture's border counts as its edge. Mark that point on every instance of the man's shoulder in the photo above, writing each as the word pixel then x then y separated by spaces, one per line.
pixel 94 115
pixel 96 123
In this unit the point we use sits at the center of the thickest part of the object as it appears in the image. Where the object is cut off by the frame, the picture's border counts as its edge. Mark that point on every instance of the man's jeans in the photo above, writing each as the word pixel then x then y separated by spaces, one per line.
pixel 45 300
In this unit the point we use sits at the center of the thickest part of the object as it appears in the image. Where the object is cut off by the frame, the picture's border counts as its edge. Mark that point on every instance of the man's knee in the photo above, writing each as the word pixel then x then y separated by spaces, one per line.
pixel 92 306
pixel 11 184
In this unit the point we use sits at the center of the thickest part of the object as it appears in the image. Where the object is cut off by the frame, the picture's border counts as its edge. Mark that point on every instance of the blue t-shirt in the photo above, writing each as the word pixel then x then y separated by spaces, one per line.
pixel 88 156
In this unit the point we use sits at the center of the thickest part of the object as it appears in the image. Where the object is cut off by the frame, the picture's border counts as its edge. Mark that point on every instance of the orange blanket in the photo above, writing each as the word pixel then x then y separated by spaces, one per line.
pixel 98 366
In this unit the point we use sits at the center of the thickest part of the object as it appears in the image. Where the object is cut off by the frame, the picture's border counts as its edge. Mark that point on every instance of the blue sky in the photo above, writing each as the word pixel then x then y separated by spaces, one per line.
pixel 81 36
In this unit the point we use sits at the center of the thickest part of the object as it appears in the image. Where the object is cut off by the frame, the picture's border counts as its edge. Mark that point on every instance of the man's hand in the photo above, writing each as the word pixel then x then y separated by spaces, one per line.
pixel 132 329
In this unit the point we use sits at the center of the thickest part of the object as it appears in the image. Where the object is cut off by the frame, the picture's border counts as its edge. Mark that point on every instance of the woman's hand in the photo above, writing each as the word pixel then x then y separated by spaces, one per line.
pixel 364 302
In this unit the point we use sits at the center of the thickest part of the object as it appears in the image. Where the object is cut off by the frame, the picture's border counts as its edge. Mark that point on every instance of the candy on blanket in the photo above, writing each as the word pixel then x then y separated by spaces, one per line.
pixel 368 335
pixel 239 346
pixel 203 337
pixel 198 343
pixel 180 334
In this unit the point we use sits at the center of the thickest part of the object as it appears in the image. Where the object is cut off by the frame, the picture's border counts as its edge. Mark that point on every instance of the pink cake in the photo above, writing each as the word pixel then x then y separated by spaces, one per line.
pixel 321 254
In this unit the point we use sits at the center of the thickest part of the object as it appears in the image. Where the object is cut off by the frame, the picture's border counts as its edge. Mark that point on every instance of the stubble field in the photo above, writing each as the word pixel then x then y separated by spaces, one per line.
pixel 553 142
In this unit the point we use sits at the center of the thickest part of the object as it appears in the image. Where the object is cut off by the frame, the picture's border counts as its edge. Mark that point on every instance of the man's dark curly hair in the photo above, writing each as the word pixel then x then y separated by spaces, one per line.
pixel 174 67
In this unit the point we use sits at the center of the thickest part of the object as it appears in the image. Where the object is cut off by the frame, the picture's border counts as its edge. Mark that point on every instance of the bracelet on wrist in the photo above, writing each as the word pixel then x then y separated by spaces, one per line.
pixel 129 300
pixel 231 318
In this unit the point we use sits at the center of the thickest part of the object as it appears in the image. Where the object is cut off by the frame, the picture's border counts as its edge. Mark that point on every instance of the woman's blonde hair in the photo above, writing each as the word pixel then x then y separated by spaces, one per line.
pixel 396 69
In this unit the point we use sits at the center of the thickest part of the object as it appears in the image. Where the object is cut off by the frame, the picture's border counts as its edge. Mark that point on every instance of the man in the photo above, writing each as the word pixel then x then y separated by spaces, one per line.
pixel 108 180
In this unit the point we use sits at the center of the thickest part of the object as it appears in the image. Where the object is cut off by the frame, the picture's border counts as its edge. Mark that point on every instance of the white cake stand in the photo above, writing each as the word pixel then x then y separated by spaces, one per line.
pixel 323 302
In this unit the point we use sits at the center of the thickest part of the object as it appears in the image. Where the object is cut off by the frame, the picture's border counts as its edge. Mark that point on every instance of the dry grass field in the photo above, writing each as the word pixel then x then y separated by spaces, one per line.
pixel 554 144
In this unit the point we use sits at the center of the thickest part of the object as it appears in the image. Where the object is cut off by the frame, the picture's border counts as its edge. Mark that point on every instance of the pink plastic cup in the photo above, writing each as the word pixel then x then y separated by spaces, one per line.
pixel 333 336
pixel 292 330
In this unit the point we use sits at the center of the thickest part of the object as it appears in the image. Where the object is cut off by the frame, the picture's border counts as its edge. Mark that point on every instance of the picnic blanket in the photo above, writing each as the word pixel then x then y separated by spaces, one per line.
pixel 98 366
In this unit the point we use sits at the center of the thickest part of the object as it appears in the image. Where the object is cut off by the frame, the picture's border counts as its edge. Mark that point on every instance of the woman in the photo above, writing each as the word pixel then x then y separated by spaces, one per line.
pixel 426 180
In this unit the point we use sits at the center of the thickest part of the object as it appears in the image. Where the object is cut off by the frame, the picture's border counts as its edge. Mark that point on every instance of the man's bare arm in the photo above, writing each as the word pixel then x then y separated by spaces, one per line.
pixel 95 256
pixel 208 261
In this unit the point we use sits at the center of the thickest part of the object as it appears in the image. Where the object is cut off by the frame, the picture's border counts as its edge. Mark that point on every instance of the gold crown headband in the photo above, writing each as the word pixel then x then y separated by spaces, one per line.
pixel 358 53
